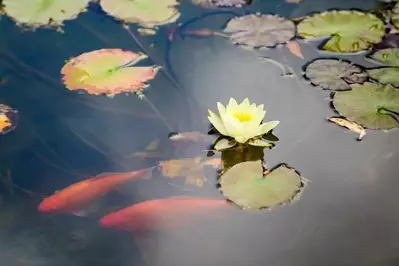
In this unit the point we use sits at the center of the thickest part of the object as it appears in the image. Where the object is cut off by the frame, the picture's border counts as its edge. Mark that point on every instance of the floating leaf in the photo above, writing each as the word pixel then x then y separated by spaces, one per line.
pixel 43 13
pixel 143 12
pixel 260 30
pixel 259 143
pixel 220 3
pixel 295 49
pixel 389 56
pixel 395 16
pixel 350 31
pixel 389 41
pixel 352 126
pixel 107 71
pixel 332 74
pixel 245 185
pixel 189 168
pixel 386 75
pixel 8 119
pixel 371 105
pixel 224 144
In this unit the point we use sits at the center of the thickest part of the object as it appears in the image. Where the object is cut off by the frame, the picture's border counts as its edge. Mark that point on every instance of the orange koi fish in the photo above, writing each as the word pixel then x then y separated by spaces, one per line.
pixel 164 214
pixel 78 195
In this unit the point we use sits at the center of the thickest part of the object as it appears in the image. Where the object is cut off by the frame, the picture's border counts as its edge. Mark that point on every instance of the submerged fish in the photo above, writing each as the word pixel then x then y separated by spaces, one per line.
pixel 78 195
pixel 204 33
pixel 352 126
pixel 164 214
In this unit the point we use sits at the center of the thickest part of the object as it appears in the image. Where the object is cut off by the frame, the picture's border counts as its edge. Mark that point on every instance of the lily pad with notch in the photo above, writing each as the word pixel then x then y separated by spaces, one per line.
pixel 374 106
pixel 334 74
pixel 245 185
pixel 349 31
pixel 260 30
pixel 107 71
pixel 390 74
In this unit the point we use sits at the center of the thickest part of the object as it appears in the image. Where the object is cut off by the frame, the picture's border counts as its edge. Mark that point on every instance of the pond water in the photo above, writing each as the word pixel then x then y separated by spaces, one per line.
pixel 346 214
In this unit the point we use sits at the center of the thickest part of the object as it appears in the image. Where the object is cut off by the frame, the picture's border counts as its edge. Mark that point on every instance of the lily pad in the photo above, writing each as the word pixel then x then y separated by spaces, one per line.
pixel 260 30
pixel 333 74
pixel 144 12
pixel 395 16
pixel 43 13
pixel 389 41
pixel 389 56
pixel 219 3
pixel 350 31
pixel 245 185
pixel 224 144
pixel 107 71
pixel 386 75
pixel 371 105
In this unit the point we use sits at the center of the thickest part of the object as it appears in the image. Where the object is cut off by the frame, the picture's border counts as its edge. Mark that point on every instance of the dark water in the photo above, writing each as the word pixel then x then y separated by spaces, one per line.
pixel 347 215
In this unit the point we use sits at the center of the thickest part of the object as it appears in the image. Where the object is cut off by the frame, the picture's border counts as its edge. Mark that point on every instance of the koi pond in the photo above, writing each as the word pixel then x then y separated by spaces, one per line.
pixel 199 132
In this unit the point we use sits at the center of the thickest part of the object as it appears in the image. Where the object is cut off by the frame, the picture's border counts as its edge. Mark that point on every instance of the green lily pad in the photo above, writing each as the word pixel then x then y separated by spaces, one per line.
pixel 350 31
pixel 43 13
pixel 386 75
pixel 245 185
pixel 371 105
pixel 144 12
pixel 388 56
pixel 224 144
pixel 395 16
pixel 333 74
pixel 259 142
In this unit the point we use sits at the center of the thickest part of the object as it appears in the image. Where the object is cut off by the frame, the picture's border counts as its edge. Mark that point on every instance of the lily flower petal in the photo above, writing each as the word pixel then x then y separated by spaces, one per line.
pixel 266 127
pixel 241 139
pixel 217 123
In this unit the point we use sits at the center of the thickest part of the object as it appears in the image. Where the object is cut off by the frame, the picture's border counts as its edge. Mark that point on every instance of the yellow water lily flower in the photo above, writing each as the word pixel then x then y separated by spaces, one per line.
pixel 241 121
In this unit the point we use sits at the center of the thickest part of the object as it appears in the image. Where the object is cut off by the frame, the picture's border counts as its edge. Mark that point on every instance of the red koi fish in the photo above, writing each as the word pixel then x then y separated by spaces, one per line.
pixel 164 214
pixel 78 195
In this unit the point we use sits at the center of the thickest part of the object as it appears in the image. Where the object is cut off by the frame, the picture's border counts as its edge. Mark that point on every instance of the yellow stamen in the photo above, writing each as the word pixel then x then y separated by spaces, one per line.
pixel 243 117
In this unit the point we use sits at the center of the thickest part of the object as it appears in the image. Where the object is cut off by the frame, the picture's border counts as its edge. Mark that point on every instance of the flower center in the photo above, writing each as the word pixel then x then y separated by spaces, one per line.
pixel 243 117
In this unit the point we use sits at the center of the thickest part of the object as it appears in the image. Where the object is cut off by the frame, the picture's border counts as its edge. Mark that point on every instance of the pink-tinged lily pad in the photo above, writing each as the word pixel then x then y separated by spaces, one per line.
pixel 107 71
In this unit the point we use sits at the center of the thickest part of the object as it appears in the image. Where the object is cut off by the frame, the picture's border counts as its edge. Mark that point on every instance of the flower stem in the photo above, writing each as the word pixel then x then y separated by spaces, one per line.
pixel 157 112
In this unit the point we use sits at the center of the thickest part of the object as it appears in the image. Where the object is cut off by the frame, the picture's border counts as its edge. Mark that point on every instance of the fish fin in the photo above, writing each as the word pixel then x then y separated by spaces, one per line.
pixel 148 175
pixel 153 145
pixel 80 213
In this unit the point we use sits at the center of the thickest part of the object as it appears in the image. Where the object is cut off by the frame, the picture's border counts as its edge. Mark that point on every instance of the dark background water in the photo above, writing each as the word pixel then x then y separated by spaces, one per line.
pixel 347 215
